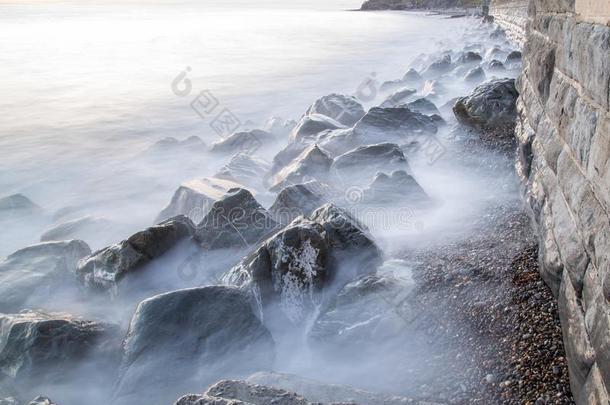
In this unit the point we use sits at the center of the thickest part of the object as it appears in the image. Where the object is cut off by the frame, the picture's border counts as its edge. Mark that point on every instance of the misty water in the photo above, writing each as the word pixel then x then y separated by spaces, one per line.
pixel 89 89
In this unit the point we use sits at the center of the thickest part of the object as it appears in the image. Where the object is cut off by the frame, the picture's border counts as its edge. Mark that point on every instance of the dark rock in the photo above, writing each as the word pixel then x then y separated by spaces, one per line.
pixel 469 58
pixel 513 57
pixel 387 124
pixel 475 75
pixel 180 340
pixel 312 163
pixel 27 273
pixel 412 78
pixel 344 109
pixel 439 67
pixel 106 267
pixel 491 106
pixel 41 401
pixel 382 156
pixel 243 142
pixel 398 97
pixel 298 262
pixel 423 106
pixel 195 198
pixel 312 124
pixel 235 221
pixel 496 66
pixel 37 346
pixel 245 169
pixel 299 199
pixel 395 188
pixel 438 120
pixel 254 394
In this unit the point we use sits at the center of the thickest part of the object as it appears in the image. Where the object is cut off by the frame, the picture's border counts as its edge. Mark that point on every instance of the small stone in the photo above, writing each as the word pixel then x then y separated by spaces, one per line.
pixel 490 378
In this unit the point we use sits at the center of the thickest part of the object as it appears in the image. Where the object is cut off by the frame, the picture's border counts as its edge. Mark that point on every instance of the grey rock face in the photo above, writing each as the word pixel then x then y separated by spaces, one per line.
pixel 469 58
pixel 245 169
pixel 106 267
pixel 235 221
pixel 41 401
pixel 254 394
pixel 344 109
pixel 496 66
pixel 194 198
pixel 298 262
pixel 37 346
pixel 180 340
pixel 299 199
pixel 37 268
pixel 412 78
pixel 397 123
pixel 475 75
pixel 244 142
pixel 438 67
pixel 397 97
pixel 423 106
pixel 381 156
pixel 395 188
pixel 491 106
pixel 365 310
pixel 312 124
pixel 312 163
pixel 17 204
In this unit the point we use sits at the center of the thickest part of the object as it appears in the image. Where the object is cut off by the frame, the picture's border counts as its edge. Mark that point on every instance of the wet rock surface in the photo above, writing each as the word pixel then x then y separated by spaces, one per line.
pixel 106 267
pixel 344 109
pixel 32 273
pixel 216 332
pixel 235 221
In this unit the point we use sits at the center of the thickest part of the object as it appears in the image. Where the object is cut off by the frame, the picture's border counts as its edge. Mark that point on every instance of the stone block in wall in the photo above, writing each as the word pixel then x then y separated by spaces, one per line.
pixel 542 51
pixel 598 169
pixel 551 267
pixel 600 338
pixel 580 131
pixel 568 240
pixel 594 392
pixel 579 351
pixel 554 6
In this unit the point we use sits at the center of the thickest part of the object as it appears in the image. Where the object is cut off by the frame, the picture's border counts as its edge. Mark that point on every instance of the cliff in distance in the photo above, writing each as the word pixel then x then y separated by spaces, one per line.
pixel 417 4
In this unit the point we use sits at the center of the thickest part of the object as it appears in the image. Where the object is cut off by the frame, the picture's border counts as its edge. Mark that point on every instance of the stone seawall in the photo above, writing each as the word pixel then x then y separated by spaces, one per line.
pixel 512 15
pixel 564 163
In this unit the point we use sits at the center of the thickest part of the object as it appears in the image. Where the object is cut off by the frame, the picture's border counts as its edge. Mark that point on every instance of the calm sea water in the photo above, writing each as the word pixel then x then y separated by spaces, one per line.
pixel 87 86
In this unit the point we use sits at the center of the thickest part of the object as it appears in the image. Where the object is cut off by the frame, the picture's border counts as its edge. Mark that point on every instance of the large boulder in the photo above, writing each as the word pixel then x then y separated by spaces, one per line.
pixel 365 311
pixel 381 156
pixel 392 125
pixel 491 106
pixel 37 346
pixel 243 142
pixel 184 339
pixel 344 109
pixel 475 75
pixel 292 267
pixel 17 205
pixel 439 66
pixel 397 188
pixel 312 124
pixel 422 106
pixel 235 221
pixel 195 197
pixel 245 169
pixel 299 199
pixel 106 267
pixel 399 96
pixel 254 394
pixel 313 163
pixel 469 58
pixel 30 275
